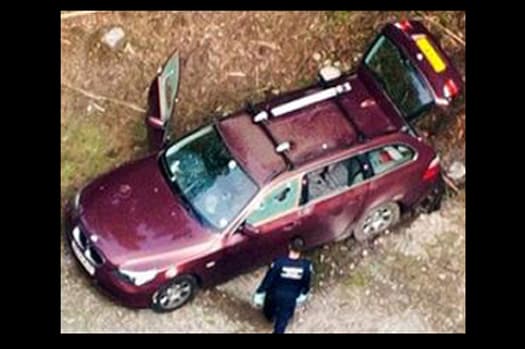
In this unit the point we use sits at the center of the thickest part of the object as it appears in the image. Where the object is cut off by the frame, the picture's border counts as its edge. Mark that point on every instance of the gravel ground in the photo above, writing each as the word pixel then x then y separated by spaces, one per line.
pixel 410 280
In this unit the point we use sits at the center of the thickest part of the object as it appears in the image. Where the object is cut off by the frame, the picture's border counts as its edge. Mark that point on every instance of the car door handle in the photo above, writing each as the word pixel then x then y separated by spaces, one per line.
pixel 290 226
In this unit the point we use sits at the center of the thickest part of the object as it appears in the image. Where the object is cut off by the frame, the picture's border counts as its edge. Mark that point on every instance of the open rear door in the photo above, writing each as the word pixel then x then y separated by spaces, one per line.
pixel 408 64
pixel 161 102
pixel 423 49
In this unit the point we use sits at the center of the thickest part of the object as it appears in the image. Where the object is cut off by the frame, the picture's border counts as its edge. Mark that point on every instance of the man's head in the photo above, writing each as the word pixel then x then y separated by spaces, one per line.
pixel 296 246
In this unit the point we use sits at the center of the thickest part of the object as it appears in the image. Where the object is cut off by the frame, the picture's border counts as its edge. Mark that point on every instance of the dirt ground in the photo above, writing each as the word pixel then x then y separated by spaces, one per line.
pixel 412 280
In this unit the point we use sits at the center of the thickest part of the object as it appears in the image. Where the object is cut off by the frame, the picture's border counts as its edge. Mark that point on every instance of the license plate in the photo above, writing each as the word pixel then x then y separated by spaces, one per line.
pixel 85 263
pixel 431 55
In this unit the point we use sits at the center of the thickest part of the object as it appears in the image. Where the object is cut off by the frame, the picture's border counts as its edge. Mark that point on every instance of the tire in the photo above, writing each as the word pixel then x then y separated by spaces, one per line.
pixel 185 285
pixel 377 220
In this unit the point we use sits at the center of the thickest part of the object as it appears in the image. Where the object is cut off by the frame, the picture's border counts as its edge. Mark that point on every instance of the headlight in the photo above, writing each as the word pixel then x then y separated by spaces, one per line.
pixel 139 277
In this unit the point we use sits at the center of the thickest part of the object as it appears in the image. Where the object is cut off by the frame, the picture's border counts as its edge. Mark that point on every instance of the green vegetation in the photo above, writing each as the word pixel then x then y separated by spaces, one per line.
pixel 337 18
pixel 87 150
pixel 358 278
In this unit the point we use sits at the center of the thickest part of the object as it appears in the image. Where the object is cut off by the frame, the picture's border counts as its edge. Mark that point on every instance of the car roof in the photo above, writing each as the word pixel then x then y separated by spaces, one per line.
pixel 312 132
pixel 251 147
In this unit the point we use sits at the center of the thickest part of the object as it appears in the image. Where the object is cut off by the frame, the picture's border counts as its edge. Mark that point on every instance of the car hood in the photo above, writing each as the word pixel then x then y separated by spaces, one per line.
pixel 136 216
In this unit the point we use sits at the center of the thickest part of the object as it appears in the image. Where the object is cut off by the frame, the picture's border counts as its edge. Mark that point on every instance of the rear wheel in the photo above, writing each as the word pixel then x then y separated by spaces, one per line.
pixel 175 294
pixel 376 221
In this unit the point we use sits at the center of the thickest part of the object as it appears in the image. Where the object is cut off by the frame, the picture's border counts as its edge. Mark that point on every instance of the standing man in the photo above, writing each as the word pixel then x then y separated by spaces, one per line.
pixel 285 285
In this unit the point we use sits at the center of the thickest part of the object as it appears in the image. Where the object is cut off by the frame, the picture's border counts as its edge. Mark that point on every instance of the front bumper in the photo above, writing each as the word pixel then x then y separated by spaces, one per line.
pixel 105 277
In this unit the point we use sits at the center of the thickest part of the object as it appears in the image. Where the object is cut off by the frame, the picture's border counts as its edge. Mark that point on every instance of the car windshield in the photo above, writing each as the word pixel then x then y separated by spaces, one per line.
pixel 207 177
pixel 398 76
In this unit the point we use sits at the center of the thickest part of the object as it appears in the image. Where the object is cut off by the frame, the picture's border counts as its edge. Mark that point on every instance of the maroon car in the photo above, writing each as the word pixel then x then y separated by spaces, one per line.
pixel 335 159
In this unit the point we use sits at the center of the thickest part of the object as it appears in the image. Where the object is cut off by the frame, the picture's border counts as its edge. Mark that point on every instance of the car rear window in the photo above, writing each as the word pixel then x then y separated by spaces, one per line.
pixel 386 158
pixel 332 178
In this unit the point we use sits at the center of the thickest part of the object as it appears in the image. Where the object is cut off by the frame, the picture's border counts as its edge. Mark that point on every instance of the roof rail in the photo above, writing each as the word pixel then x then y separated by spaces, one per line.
pixel 280 148
pixel 303 102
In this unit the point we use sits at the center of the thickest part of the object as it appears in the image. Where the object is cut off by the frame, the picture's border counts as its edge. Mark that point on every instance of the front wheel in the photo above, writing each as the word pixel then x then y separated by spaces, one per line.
pixel 175 294
pixel 376 221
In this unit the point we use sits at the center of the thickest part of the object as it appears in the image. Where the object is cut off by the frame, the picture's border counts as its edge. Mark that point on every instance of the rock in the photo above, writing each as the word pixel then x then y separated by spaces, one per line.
pixel 364 253
pixel 316 56
pixel 113 37
pixel 343 248
pixel 442 276
pixel 337 64
pixel 457 172
pixel 352 266
pixel 327 63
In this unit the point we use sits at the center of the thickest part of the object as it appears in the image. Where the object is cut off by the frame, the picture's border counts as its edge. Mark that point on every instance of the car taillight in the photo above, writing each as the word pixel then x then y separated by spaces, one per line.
pixel 432 170
pixel 404 25
pixel 450 89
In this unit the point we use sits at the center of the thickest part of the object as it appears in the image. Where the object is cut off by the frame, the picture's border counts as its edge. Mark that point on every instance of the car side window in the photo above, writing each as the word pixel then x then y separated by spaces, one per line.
pixel 386 158
pixel 331 178
pixel 277 202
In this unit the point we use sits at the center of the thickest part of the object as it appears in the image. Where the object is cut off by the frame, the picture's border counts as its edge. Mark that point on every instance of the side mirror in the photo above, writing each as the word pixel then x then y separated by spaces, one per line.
pixel 248 230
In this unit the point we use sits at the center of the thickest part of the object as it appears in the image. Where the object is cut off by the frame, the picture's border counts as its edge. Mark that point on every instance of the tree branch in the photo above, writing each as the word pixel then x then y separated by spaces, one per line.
pixel 104 98
pixel 76 14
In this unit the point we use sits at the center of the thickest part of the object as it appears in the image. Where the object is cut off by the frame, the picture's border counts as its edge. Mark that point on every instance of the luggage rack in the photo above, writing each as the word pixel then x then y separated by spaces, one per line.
pixel 302 102
pixel 280 148
pixel 262 116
